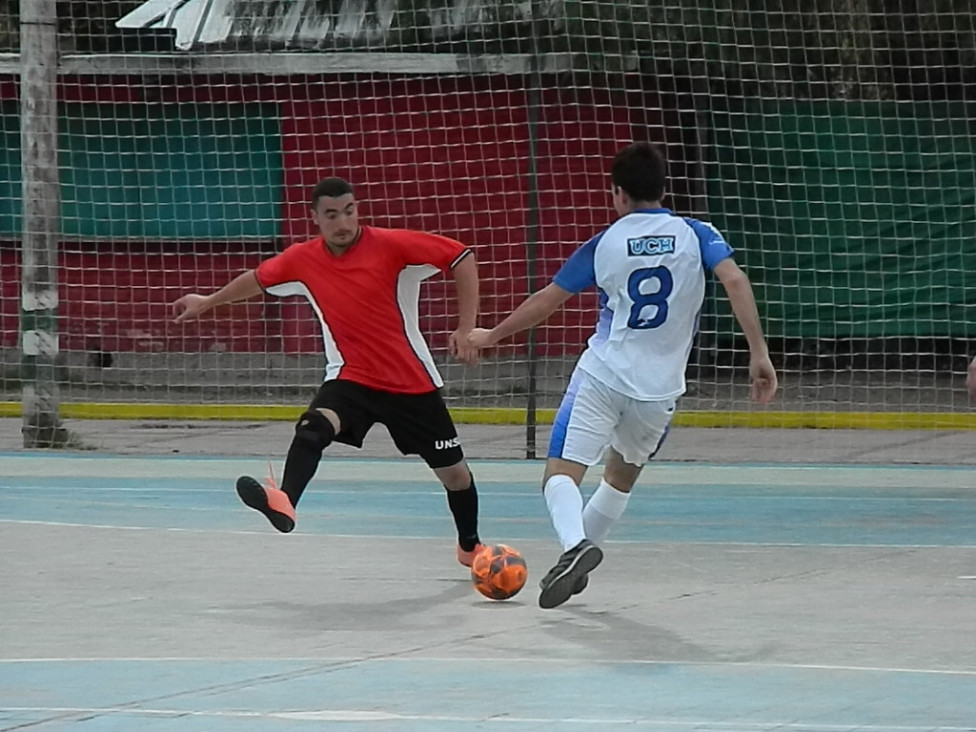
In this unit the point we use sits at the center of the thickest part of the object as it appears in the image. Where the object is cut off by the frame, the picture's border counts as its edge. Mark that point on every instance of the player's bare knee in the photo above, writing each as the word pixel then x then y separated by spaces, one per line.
pixel 315 428
pixel 619 473
pixel 455 477
pixel 559 466
pixel 331 416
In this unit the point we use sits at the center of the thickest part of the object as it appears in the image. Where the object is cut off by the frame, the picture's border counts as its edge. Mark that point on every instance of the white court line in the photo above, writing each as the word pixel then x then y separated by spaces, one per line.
pixel 399 537
pixel 151 528
pixel 357 715
pixel 532 494
pixel 33 490
pixel 325 661
pixel 139 467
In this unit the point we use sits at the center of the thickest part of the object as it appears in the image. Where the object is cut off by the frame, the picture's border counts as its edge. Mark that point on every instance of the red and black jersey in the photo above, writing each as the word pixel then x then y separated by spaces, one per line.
pixel 366 301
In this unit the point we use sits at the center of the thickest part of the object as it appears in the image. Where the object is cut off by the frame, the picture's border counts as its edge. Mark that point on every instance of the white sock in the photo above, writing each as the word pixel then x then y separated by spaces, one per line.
pixel 565 504
pixel 605 506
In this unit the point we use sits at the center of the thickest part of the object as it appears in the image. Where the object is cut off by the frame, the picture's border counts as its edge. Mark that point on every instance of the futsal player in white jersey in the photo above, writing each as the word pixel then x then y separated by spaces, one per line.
pixel 649 267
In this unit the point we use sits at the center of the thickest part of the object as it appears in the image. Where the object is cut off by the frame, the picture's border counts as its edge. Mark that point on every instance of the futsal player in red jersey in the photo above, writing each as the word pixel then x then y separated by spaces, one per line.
pixel 363 283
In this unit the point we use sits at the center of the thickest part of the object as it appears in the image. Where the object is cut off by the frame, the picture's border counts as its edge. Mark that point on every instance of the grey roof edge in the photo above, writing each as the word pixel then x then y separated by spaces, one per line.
pixel 286 64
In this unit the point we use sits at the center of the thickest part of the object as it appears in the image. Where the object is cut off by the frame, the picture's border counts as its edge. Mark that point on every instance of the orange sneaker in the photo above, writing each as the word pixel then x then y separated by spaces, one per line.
pixel 269 500
pixel 467 558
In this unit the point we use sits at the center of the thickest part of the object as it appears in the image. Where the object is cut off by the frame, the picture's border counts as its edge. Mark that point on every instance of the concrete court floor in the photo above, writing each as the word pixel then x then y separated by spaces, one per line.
pixel 747 588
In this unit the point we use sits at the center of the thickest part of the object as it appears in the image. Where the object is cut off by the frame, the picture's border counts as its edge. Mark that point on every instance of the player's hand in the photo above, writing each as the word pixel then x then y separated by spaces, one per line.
pixel 461 349
pixel 764 381
pixel 480 338
pixel 190 307
pixel 971 379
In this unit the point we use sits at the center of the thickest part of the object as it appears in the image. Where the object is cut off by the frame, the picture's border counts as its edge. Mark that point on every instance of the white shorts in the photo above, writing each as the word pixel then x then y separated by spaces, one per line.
pixel 593 416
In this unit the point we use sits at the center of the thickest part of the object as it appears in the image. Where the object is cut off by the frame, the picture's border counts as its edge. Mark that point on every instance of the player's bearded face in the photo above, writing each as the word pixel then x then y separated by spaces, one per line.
pixel 338 220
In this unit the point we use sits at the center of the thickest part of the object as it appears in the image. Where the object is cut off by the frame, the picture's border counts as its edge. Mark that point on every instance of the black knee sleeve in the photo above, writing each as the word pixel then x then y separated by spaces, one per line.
pixel 315 428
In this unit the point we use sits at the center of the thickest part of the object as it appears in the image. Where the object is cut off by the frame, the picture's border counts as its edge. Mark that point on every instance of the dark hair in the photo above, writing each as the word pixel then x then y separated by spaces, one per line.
pixel 641 171
pixel 330 188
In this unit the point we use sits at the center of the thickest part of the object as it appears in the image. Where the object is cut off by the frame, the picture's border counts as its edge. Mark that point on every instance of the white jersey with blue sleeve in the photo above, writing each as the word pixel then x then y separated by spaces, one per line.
pixel 649 267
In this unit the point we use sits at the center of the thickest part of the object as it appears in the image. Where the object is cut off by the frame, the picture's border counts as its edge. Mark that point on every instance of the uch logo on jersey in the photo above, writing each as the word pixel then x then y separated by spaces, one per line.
pixel 644 245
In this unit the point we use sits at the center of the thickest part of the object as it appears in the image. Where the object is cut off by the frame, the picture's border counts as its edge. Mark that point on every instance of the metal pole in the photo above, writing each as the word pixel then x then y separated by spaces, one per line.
pixel 41 225
pixel 532 246
pixel 532 230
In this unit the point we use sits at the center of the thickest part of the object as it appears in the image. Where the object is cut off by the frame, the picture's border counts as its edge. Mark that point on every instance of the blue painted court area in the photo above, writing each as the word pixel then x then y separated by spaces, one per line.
pixel 138 594
pixel 829 505
pixel 520 696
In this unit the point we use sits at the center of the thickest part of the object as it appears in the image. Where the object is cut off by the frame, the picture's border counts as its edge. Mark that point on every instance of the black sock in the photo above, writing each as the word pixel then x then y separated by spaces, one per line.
pixel 300 466
pixel 464 507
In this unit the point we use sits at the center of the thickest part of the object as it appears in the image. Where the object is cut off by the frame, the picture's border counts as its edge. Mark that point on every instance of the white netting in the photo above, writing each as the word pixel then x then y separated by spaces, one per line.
pixel 833 147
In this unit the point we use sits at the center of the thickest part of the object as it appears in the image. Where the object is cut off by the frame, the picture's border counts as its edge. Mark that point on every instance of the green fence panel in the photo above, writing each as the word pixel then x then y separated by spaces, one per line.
pixel 187 171
pixel 10 174
pixel 855 220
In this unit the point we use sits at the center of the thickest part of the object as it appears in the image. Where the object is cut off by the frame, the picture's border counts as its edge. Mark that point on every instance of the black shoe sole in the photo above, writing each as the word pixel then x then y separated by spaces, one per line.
pixel 253 495
pixel 566 584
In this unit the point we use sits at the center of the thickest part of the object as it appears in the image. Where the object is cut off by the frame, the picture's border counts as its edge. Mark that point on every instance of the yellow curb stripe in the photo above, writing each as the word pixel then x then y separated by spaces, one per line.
pixel 516 416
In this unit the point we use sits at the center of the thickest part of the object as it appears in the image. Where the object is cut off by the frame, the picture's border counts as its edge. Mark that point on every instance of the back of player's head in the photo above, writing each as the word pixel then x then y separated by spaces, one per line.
pixel 330 188
pixel 641 171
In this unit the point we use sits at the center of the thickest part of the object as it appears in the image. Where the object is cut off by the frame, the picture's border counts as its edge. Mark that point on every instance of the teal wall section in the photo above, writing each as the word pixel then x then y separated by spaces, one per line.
pixel 10 175
pixel 188 171
pixel 855 220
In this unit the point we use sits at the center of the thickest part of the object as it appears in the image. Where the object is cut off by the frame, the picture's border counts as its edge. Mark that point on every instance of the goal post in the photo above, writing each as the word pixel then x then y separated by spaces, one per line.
pixel 38 333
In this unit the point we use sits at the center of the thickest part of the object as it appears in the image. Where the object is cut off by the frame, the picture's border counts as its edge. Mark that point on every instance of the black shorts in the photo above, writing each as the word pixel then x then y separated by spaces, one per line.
pixel 418 423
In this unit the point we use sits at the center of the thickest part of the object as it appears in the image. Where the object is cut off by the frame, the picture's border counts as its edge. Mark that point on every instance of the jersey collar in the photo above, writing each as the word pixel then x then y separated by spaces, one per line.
pixel 652 210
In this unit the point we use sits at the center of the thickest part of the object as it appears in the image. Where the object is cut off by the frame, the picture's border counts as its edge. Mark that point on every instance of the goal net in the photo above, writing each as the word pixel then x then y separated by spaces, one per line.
pixel 832 147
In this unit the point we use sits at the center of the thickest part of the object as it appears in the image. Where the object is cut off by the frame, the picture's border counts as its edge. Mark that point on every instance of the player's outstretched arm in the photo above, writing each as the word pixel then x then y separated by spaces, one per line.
pixel 466 280
pixel 743 302
pixel 193 305
pixel 971 379
pixel 534 309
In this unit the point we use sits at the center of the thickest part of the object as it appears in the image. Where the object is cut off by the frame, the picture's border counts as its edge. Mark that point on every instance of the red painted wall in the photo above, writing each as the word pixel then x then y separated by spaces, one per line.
pixel 115 301
pixel 445 154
